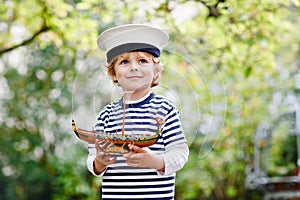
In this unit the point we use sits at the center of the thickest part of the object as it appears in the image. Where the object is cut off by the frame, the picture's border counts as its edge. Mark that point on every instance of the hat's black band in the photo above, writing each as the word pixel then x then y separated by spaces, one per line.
pixel 132 47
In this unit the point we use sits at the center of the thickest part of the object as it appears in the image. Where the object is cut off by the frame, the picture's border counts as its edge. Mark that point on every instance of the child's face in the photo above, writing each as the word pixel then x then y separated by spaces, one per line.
pixel 135 71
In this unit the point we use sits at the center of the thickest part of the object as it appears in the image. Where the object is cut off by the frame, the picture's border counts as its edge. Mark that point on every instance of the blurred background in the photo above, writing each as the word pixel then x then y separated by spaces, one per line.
pixel 230 67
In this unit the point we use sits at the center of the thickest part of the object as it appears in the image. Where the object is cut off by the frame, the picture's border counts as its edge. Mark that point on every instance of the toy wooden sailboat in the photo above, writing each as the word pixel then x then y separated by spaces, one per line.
pixel 118 142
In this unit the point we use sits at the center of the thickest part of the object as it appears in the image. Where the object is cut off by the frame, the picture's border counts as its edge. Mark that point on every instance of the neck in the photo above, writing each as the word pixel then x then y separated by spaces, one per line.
pixel 134 95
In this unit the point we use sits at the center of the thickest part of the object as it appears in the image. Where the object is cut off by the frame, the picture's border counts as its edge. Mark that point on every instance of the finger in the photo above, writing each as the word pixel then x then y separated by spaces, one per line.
pixel 132 158
pixel 112 160
pixel 133 162
pixel 110 145
pixel 105 145
pixel 135 149
pixel 109 160
pixel 105 159
pixel 97 145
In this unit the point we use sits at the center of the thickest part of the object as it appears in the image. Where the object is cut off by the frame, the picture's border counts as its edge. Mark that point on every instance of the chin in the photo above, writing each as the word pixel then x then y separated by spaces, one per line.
pixel 137 88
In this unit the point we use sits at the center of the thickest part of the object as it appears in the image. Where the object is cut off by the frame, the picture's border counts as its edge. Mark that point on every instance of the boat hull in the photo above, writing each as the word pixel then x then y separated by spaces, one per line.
pixel 117 139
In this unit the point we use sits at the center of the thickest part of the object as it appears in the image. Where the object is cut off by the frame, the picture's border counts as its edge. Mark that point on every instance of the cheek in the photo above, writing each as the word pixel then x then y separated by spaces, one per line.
pixel 120 72
pixel 150 71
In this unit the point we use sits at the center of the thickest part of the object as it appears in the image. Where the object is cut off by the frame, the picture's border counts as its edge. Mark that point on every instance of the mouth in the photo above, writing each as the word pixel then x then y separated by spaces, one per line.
pixel 134 77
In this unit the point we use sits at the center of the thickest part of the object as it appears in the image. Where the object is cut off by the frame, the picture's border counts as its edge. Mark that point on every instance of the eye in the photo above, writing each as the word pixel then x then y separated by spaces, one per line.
pixel 143 61
pixel 123 62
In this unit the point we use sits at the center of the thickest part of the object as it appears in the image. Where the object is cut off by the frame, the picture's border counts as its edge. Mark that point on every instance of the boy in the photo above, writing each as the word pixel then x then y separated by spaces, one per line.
pixel 133 56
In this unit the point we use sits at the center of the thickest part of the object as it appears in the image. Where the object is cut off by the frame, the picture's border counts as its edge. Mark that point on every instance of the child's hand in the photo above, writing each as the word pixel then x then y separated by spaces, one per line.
pixel 143 157
pixel 102 159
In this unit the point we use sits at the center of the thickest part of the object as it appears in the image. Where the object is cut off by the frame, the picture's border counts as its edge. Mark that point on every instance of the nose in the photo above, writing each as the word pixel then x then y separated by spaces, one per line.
pixel 133 67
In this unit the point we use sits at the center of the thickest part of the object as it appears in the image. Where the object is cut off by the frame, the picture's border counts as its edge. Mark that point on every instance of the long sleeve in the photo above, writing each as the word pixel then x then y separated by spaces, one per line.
pixel 176 148
pixel 91 146
pixel 90 160
pixel 175 159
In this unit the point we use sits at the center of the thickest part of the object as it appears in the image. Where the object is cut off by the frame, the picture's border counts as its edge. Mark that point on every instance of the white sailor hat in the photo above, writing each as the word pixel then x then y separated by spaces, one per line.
pixel 132 37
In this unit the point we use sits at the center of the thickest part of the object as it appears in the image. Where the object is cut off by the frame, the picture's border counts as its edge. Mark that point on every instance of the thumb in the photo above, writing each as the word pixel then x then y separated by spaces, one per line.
pixel 136 149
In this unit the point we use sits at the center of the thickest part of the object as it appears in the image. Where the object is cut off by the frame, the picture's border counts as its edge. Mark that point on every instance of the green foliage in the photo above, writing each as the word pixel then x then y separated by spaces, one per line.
pixel 229 65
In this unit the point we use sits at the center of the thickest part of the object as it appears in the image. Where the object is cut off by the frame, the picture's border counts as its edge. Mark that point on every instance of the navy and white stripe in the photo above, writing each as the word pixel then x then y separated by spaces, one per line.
pixel 121 181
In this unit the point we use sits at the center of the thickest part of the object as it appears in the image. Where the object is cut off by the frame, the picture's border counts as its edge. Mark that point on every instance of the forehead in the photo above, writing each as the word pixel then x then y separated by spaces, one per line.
pixel 135 54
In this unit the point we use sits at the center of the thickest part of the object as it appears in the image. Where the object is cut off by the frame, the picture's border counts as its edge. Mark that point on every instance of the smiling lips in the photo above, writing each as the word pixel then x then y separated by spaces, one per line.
pixel 133 76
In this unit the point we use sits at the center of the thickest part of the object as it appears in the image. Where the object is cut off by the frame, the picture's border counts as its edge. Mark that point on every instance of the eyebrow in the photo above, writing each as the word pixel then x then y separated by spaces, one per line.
pixel 122 57
pixel 143 54
pixel 139 56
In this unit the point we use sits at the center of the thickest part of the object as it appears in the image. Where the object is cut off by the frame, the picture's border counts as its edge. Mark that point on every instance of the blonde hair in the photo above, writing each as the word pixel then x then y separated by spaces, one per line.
pixel 156 60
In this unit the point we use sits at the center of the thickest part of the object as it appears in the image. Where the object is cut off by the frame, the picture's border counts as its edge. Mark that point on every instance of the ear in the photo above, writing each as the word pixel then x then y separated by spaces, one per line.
pixel 115 82
pixel 158 68
pixel 114 78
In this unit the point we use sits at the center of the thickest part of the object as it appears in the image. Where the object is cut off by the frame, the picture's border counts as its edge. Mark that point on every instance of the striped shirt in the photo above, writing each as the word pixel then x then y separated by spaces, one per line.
pixel 121 181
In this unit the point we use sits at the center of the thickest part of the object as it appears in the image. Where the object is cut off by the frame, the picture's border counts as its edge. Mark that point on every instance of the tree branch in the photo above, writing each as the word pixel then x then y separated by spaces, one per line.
pixel 43 29
pixel 213 9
